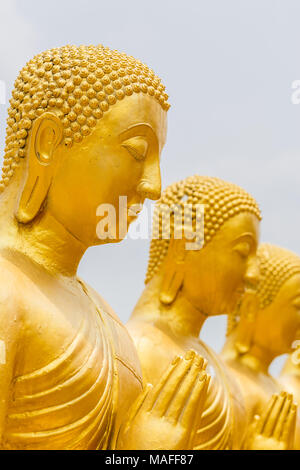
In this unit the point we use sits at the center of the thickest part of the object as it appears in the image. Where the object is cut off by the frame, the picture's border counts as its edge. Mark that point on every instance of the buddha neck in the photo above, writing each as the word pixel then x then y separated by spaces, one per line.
pixel 258 358
pixel 181 317
pixel 45 241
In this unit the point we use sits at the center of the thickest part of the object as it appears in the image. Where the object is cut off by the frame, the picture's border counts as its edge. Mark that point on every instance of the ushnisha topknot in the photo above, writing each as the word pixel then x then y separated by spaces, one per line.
pixel 277 265
pixel 78 83
pixel 221 201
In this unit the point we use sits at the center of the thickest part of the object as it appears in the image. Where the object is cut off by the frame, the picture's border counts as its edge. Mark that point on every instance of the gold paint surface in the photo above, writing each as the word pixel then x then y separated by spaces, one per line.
pixel 264 326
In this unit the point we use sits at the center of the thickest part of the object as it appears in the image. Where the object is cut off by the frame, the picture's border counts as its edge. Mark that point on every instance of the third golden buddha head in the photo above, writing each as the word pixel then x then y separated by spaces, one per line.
pixel 275 304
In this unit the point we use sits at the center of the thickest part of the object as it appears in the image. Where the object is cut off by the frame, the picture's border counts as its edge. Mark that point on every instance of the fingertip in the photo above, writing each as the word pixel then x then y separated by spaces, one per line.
pixel 190 355
pixel 199 361
pixel 202 376
pixel 176 360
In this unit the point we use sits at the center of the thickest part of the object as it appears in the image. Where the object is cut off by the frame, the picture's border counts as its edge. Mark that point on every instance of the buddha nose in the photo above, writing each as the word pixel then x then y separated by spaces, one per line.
pixel 150 184
pixel 252 273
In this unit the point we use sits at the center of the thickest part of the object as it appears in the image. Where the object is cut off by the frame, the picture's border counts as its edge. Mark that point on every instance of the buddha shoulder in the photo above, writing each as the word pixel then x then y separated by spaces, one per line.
pixel 11 314
pixel 156 349
pixel 11 286
pixel 49 318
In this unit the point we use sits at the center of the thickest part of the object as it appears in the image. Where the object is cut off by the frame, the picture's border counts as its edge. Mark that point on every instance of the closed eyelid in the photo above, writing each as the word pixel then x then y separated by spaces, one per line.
pixel 137 147
pixel 243 247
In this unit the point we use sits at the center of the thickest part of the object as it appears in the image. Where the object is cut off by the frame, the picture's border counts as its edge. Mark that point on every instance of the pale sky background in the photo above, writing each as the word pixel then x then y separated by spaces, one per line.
pixel 228 67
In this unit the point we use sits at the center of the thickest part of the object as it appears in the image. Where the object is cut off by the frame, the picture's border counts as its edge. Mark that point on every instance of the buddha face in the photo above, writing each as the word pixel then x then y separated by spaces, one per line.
pixel 120 158
pixel 215 277
pixel 278 325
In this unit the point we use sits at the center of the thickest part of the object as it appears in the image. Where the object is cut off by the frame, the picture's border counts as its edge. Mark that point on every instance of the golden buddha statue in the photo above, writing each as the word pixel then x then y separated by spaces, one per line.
pixel 264 326
pixel 86 125
pixel 185 286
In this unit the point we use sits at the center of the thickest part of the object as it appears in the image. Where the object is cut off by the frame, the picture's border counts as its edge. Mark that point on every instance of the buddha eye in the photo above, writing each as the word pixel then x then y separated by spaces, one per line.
pixel 137 147
pixel 243 248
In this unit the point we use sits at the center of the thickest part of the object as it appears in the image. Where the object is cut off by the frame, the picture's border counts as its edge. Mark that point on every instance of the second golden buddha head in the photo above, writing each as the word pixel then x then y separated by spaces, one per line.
pixel 86 125
pixel 211 278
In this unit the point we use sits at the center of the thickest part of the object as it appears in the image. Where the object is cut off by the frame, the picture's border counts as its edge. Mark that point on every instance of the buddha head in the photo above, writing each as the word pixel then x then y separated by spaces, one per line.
pixel 86 125
pixel 213 276
pixel 270 318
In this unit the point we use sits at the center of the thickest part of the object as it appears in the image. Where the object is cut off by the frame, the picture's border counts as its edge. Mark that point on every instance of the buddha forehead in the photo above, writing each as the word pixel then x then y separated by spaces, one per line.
pixel 242 224
pixel 139 113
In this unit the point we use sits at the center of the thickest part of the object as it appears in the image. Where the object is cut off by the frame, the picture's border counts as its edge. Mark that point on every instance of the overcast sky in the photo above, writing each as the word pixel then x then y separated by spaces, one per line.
pixel 228 67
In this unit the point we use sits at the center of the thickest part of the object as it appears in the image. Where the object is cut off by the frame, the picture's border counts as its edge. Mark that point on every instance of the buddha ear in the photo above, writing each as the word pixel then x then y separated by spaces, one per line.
pixel 46 134
pixel 246 326
pixel 173 272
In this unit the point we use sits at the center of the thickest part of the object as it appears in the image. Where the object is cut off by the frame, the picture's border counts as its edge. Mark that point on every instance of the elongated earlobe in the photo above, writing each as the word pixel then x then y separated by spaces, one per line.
pixel 246 325
pixel 46 135
pixel 174 274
